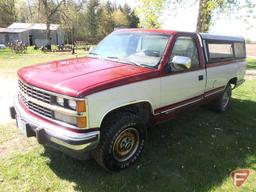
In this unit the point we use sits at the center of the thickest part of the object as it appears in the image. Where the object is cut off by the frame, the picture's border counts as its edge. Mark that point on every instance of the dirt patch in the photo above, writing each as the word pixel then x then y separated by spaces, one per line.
pixel 250 74
pixel 18 143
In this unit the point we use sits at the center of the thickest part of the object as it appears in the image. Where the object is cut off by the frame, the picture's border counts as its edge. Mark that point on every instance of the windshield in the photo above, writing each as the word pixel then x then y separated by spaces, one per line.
pixel 143 49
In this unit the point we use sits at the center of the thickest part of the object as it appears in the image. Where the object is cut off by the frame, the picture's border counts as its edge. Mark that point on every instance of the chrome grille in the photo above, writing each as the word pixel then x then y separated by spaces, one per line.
pixel 34 93
pixel 36 108
pixel 26 90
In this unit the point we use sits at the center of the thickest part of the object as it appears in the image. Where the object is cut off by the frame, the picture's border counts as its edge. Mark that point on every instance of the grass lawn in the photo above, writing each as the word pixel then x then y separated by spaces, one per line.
pixel 251 63
pixel 195 152
pixel 11 62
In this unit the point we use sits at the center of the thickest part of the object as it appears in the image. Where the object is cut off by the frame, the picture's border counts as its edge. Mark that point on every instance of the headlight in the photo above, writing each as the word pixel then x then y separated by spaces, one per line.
pixel 60 101
pixel 72 104
pixel 80 122
pixel 74 111
pixel 65 118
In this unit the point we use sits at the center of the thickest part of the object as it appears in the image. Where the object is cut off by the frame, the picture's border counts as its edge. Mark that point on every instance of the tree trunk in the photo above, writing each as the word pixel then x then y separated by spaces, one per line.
pixel 199 21
pixel 48 33
pixel 47 20
pixel 204 17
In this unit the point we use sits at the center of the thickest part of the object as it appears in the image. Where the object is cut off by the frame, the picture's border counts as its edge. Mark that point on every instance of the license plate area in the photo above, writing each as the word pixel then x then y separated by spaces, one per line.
pixel 21 124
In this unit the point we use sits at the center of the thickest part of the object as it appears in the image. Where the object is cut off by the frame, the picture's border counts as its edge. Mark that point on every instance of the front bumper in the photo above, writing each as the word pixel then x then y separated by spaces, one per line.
pixel 75 144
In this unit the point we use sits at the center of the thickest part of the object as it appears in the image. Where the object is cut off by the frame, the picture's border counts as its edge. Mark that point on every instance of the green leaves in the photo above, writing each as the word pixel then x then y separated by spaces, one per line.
pixel 149 12
pixel 207 9
pixel 8 13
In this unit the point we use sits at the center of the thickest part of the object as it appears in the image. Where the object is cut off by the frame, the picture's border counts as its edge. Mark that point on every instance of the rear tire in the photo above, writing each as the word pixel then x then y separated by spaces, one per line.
pixel 122 141
pixel 223 103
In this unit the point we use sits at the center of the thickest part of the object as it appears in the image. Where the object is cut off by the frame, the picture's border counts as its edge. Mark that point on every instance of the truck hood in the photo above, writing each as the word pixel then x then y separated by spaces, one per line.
pixel 82 76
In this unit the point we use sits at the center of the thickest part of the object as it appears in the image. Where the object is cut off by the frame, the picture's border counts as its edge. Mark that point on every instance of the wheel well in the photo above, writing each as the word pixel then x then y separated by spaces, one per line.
pixel 142 109
pixel 233 81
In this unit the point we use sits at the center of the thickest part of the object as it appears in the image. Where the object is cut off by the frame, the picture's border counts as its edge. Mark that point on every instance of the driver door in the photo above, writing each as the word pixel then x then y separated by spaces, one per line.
pixel 183 86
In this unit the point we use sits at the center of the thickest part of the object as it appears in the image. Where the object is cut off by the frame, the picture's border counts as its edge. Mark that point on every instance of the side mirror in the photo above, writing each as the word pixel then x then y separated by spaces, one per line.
pixel 181 62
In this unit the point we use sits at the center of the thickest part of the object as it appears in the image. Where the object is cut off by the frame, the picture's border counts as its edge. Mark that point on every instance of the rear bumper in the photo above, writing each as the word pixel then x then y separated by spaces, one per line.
pixel 75 144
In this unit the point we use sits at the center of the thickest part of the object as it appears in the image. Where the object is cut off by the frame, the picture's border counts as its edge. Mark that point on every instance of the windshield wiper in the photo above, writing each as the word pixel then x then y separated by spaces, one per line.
pixel 144 65
pixel 123 60
pixel 132 62
pixel 113 58
pixel 129 62
pixel 138 64
pixel 93 53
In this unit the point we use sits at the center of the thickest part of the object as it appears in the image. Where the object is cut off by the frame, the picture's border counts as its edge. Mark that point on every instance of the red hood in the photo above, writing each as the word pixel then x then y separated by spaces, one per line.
pixel 82 76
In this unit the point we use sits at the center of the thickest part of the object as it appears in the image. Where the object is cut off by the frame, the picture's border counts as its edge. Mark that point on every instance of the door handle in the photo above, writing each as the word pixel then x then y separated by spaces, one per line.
pixel 200 77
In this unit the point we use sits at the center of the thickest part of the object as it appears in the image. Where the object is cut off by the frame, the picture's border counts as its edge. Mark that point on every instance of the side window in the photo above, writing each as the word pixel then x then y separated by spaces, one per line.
pixel 219 51
pixel 239 50
pixel 186 47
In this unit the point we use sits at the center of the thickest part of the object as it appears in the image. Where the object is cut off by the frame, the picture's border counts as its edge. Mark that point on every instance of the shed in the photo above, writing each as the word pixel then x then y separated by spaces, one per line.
pixel 30 33
pixel 11 35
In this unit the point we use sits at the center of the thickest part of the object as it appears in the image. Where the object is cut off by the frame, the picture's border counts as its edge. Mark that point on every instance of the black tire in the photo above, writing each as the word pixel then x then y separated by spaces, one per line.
pixel 223 103
pixel 115 151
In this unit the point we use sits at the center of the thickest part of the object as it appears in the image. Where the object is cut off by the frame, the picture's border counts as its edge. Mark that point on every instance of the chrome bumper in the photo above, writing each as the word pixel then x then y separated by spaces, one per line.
pixel 70 142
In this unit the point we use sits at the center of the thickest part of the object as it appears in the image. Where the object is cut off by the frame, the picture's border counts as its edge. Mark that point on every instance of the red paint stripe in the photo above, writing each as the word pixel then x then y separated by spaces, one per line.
pixel 187 101
pixel 119 82
pixel 212 92
pixel 169 107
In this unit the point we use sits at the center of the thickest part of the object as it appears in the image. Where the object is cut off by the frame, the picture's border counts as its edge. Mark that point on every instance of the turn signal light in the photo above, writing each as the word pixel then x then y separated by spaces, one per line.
pixel 81 122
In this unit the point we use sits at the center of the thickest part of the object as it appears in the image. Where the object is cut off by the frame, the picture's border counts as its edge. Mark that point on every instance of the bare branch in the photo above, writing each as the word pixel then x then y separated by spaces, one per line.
pixel 56 8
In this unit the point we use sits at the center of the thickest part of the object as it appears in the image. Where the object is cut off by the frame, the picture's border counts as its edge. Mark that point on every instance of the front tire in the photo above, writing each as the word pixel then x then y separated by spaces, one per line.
pixel 223 103
pixel 122 141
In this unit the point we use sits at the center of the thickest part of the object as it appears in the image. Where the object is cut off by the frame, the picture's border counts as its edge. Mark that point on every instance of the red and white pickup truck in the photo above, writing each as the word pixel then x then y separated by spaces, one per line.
pixel 102 105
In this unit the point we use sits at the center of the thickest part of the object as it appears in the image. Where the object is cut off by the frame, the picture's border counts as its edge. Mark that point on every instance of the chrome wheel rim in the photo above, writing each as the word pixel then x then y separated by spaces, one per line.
pixel 126 144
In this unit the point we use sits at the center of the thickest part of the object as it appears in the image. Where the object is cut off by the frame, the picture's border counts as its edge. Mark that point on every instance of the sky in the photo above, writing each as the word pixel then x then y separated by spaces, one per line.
pixel 185 19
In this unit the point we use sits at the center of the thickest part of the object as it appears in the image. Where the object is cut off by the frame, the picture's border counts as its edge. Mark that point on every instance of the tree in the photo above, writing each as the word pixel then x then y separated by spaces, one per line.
pixel 207 9
pixel 70 14
pixel 105 24
pixel 133 20
pixel 91 16
pixel 149 12
pixel 49 9
pixel 111 16
pixel 109 7
pixel 25 12
pixel 88 20
pixel 120 19
pixel 101 19
pixel 7 12
pixel 126 9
